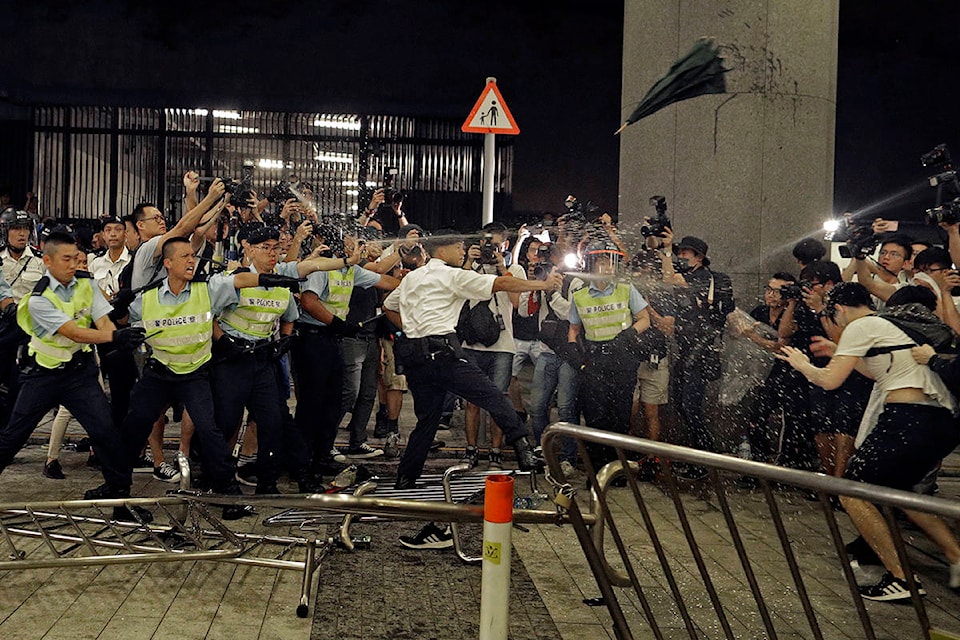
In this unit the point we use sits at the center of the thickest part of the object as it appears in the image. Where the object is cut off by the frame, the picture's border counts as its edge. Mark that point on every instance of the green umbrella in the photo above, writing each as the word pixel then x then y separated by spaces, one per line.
pixel 699 72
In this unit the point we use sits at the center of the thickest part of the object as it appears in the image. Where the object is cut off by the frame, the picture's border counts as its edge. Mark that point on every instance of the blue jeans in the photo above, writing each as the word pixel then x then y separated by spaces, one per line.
pixel 496 365
pixel 361 361
pixel 553 374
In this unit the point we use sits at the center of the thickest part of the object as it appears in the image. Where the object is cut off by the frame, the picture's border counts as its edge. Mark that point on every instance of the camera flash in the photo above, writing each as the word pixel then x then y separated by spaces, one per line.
pixel 831 225
pixel 571 261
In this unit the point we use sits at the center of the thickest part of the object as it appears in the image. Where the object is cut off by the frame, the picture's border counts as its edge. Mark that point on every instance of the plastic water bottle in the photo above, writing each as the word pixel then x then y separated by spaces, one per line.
pixel 743 450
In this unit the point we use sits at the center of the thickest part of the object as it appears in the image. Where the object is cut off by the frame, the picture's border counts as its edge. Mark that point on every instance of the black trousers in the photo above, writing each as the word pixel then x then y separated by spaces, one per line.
pixel 157 389
pixel 248 381
pixel 689 394
pixel 77 389
pixel 9 384
pixel 606 399
pixel 318 367
pixel 429 383
pixel 120 370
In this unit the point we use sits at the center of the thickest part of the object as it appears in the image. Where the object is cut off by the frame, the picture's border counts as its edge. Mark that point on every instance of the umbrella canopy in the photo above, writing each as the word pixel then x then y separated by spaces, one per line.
pixel 697 73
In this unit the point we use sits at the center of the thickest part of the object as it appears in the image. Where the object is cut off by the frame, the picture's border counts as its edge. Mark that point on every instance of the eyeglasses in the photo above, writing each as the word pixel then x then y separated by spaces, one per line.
pixel 771 289
pixel 272 248
pixel 892 254
pixel 932 270
pixel 157 218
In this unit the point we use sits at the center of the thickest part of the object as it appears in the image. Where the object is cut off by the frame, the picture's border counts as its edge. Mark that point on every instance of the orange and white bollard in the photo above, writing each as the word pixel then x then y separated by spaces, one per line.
pixel 495 581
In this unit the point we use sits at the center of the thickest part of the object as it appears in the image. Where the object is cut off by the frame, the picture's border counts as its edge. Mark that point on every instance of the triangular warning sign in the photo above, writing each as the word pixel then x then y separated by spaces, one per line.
pixel 490 114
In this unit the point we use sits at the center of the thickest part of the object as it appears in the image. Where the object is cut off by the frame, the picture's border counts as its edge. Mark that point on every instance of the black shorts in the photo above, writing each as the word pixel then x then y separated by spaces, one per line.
pixel 840 410
pixel 908 441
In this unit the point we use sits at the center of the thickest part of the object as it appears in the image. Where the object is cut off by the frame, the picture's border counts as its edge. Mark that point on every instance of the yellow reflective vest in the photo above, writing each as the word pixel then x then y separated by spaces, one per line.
pixel 179 334
pixel 258 312
pixel 604 317
pixel 54 350
pixel 339 290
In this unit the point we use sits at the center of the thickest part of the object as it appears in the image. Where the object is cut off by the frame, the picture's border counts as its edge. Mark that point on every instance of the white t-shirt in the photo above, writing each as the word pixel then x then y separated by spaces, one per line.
pixel 429 299
pixel 894 370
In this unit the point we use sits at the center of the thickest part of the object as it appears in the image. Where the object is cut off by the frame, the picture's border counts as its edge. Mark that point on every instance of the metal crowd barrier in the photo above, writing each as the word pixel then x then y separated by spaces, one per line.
pixel 682 605
pixel 63 534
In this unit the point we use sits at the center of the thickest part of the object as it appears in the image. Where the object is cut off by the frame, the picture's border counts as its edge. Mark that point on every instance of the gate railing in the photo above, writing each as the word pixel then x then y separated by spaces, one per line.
pixel 606 507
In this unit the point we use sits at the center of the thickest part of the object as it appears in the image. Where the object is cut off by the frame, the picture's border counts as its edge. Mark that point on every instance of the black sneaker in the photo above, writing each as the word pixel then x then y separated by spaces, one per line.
pixel 363 452
pixel 496 460
pixel 124 514
pixel 143 464
pixel 889 589
pixel 166 472
pixel 247 474
pixel 471 456
pixel 430 537
pixel 53 470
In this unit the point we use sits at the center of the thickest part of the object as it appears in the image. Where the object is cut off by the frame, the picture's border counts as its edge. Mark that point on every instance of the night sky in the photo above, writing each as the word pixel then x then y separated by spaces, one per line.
pixel 558 66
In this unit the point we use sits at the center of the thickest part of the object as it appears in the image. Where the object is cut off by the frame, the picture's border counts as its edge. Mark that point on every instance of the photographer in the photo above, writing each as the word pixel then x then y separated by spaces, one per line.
pixel 493 357
pixel 385 211
pixel 704 299
pixel 784 389
pixel 934 271
pixel 551 373
pixel 834 414
pixel 907 429
pixel 895 252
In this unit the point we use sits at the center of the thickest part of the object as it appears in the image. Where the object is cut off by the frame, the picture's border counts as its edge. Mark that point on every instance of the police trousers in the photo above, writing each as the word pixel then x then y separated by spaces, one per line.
pixel 158 388
pixel 77 388
pixel 429 383
pixel 318 370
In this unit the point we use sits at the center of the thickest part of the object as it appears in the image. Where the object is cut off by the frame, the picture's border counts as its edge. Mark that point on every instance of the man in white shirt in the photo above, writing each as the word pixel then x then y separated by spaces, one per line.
pixel 427 306
pixel 106 269
pixel 907 429
pixel 22 268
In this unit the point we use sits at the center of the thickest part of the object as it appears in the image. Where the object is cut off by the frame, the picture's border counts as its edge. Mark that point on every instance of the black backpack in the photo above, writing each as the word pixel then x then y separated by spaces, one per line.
pixel 921 325
pixel 477 324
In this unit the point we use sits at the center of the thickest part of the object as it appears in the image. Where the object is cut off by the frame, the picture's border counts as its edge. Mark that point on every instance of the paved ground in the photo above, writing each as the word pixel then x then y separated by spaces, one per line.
pixel 210 600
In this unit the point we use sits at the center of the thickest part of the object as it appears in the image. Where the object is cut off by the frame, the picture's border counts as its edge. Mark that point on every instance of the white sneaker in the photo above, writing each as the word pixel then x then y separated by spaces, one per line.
pixel 337 455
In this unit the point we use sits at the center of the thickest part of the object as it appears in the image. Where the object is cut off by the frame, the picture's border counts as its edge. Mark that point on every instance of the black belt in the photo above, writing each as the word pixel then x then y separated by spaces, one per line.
pixel 316 330
pixel 78 360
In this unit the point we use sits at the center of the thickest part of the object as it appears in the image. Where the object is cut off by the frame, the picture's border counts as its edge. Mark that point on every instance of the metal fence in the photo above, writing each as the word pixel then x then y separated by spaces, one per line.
pixel 673 585
pixel 91 160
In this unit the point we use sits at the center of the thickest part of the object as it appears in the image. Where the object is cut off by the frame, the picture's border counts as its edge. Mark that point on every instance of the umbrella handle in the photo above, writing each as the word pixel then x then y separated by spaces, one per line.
pixel 620 130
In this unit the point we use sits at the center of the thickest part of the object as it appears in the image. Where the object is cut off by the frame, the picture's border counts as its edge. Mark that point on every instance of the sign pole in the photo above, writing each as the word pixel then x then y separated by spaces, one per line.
pixel 489 168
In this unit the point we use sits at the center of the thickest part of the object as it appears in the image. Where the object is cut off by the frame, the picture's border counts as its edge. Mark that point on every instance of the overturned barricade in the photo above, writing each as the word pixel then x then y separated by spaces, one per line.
pixel 679 558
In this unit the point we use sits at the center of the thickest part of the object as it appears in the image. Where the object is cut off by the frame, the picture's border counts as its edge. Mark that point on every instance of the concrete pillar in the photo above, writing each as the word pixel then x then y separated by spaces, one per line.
pixel 749 171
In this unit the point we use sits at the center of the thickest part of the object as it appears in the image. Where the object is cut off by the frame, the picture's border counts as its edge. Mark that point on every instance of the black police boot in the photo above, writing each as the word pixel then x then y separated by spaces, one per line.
pixel 126 514
pixel 405 482
pixel 267 488
pixel 308 482
pixel 526 459
pixel 236 511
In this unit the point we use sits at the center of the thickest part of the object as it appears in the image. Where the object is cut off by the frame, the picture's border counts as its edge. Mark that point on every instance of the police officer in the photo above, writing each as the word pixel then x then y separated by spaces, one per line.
pixel 177 315
pixel 64 316
pixel 427 306
pixel 22 267
pixel 611 316
pixel 243 373
pixel 317 359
